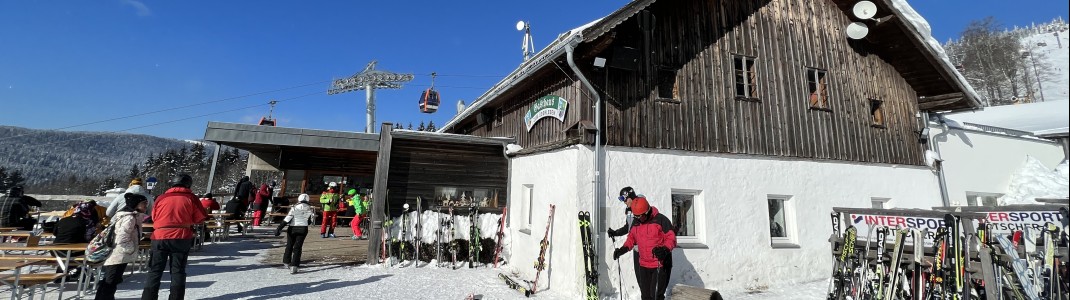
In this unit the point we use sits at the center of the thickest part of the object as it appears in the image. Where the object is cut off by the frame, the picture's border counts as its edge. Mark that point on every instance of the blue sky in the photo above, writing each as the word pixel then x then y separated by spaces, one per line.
pixel 65 63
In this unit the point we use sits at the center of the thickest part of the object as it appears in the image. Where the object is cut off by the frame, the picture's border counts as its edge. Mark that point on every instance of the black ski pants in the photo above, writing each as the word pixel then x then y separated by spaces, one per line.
pixel 113 276
pixel 295 240
pixel 162 250
pixel 652 282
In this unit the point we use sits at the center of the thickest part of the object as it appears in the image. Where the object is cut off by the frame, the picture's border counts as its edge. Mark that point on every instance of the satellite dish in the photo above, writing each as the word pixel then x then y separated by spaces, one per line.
pixel 857 30
pixel 520 25
pixel 864 10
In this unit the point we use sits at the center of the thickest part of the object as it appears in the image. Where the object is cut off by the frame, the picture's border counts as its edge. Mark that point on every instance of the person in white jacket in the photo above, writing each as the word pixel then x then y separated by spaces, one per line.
pixel 119 202
pixel 299 217
pixel 127 232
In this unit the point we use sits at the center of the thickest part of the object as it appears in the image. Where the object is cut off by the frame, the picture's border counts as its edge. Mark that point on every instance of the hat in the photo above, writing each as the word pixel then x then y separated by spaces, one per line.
pixel 182 180
pixel 302 198
pixel 626 193
pixel 352 192
pixel 640 206
pixel 132 200
pixel 333 184
pixel 136 181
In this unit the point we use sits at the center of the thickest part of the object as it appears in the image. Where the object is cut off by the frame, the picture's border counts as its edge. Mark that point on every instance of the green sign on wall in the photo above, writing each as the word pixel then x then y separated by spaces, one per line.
pixel 547 106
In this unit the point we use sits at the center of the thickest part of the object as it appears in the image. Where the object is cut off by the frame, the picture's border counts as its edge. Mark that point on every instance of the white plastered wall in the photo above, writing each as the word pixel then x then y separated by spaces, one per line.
pixel 981 162
pixel 732 210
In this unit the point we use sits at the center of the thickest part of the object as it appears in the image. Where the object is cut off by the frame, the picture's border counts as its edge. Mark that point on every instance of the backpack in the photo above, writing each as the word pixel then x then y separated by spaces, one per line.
pixel 101 246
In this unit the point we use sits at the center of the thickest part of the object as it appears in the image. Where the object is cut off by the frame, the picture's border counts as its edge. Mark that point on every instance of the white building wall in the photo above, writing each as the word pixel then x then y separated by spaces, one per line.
pixel 556 177
pixel 981 162
pixel 732 209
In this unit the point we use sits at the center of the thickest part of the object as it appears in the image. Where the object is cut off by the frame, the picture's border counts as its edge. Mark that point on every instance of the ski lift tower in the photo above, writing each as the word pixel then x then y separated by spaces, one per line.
pixel 369 80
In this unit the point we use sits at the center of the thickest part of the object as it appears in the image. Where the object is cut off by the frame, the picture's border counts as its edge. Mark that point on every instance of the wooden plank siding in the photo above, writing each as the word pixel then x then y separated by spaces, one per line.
pixel 786 38
pixel 698 40
pixel 418 167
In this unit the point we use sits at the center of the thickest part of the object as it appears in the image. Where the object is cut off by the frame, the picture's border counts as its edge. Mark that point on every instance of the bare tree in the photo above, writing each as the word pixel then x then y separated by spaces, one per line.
pixel 996 62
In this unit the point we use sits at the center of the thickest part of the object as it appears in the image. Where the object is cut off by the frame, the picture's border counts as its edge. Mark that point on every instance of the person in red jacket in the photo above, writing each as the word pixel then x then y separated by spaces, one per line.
pixel 655 237
pixel 173 216
pixel 260 204
pixel 208 202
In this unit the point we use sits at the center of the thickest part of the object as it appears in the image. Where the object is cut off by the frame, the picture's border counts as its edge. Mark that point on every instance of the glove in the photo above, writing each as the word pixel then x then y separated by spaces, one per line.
pixel 611 233
pixel 620 251
pixel 278 231
pixel 662 253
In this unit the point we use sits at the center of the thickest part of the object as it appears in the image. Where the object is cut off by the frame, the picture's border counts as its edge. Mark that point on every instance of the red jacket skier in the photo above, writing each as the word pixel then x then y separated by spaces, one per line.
pixel 655 238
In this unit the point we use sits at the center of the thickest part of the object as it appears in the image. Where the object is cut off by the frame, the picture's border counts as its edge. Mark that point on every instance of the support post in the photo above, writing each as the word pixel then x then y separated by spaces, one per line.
pixel 369 92
pixel 211 172
pixel 379 194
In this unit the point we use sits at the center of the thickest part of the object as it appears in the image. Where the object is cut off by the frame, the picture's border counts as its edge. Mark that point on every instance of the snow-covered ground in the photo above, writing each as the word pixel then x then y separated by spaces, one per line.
pixel 233 270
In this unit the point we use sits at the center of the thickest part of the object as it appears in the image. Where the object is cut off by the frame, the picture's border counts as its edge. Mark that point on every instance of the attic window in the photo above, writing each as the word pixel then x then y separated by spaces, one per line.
pixel 876 112
pixel 668 88
pixel 817 88
pixel 746 77
pixel 499 114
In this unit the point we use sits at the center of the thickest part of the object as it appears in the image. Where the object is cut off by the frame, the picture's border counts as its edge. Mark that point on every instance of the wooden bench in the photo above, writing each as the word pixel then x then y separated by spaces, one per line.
pixel 33 279
pixel 686 292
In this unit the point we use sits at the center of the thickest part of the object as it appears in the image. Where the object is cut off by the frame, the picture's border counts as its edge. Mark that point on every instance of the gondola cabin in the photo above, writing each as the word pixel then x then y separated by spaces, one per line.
pixel 265 121
pixel 429 101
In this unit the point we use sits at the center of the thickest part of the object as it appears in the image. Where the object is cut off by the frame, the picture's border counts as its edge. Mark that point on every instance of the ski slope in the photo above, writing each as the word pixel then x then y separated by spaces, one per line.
pixel 1051 45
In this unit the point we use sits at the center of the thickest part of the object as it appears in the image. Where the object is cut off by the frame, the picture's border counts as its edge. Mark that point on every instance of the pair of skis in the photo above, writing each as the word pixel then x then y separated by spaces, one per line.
pixel 474 245
pixel 590 259
pixel 540 263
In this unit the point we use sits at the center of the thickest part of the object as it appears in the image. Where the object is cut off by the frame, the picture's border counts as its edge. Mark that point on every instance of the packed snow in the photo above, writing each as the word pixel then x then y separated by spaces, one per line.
pixel 1034 180
pixel 233 270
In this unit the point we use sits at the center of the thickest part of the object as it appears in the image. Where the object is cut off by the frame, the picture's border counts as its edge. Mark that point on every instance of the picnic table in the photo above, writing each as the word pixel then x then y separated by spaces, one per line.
pixel 61 253
pixel 16 280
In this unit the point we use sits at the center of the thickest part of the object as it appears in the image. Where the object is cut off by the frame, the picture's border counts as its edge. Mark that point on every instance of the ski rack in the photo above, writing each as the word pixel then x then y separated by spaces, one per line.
pixel 985 257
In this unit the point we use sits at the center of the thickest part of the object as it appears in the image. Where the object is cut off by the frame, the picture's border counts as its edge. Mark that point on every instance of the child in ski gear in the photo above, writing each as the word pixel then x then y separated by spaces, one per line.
pixel 357 209
pixel 119 202
pixel 655 238
pixel 329 200
pixel 174 215
pixel 299 217
pixel 260 203
pixel 127 222
pixel 208 202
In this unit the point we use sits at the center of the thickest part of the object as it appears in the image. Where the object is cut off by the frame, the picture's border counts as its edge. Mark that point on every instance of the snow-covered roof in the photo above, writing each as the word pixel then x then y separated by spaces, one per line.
pixel 1051 118
pixel 536 62
pixel 924 32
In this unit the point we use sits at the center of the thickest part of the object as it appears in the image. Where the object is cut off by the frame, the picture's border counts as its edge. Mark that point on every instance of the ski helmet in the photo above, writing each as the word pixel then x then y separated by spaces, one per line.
pixel 626 193
pixel 640 206
pixel 302 198
pixel 183 180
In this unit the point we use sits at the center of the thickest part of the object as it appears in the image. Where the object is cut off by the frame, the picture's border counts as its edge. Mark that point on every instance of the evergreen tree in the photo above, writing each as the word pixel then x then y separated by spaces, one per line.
pixel 431 126
pixel 410 125
pixel 3 180
pixel 135 172
pixel 14 178
pixel 421 128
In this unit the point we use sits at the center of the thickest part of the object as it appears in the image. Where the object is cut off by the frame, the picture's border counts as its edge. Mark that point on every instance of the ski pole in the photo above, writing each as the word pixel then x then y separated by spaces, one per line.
pixel 657 280
pixel 620 277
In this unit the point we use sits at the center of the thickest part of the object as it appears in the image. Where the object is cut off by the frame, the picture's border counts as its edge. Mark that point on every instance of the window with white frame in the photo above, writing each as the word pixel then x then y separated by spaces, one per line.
pixel 879 202
pixel 526 203
pixel 687 216
pixel 982 199
pixel 782 226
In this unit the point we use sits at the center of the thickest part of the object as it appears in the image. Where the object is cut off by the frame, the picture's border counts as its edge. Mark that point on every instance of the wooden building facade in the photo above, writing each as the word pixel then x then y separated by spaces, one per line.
pixel 761 77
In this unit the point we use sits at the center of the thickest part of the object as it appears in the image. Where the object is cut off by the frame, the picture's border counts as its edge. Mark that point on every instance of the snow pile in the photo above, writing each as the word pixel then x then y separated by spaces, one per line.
pixel 1034 180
